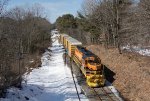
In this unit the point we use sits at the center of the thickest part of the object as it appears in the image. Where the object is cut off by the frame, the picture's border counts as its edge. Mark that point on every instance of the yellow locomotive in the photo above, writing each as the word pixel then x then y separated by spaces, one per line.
pixel 89 63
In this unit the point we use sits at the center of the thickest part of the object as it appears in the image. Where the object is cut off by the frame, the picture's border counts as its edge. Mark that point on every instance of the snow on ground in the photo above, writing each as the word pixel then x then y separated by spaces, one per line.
pixel 113 89
pixel 52 82
pixel 143 51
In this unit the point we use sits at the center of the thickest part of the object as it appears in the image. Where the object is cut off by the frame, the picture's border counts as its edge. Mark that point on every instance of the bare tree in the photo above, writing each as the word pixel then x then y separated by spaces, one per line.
pixel 3 3
pixel 144 19
pixel 22 33
pixel 108 18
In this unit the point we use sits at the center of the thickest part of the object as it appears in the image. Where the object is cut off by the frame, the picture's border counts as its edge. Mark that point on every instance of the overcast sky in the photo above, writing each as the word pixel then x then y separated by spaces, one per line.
pixel 53 8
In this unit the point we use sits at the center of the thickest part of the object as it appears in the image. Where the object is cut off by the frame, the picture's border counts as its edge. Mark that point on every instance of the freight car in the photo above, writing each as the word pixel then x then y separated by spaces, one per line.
pixel 63 39
pixel 89 63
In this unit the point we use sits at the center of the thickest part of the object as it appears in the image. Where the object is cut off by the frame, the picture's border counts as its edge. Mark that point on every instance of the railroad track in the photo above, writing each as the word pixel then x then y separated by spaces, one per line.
pixel 105 94
pixel 99 94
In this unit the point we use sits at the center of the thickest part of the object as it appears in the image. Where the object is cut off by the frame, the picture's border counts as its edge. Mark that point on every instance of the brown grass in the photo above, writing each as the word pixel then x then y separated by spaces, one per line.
pixel 132 72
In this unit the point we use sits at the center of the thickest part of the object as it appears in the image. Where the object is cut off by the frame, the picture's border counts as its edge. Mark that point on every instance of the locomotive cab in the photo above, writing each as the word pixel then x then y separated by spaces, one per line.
pixel 94 63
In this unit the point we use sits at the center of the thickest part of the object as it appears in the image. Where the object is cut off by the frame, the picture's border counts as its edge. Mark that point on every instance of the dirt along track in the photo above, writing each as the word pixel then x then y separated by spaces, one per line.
pixel 93 94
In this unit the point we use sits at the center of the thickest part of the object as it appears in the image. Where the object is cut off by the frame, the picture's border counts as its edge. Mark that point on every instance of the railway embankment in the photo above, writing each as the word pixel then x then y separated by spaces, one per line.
pixel 132 72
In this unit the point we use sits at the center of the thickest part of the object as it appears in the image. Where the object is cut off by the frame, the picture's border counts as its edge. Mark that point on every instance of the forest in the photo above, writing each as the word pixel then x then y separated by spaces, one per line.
pixel 24 33
pixel 115 23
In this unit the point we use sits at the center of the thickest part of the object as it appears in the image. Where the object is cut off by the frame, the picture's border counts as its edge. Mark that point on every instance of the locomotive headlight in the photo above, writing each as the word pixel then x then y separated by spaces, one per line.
pixel 96 80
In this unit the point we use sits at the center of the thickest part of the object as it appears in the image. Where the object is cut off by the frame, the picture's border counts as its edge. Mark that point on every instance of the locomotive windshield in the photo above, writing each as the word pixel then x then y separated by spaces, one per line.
pixel 94 60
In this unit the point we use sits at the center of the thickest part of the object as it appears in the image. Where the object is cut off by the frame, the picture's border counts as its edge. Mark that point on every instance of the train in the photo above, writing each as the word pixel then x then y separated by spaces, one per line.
pixel 89 64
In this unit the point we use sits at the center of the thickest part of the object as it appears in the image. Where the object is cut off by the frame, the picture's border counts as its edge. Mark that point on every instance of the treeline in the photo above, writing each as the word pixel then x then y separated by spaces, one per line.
pixel 23 32
pixel 70 25
pixel 112 22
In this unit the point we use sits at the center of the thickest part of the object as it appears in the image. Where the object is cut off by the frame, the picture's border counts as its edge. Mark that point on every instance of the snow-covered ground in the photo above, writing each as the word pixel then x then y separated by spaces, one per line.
pixel 143 51
pixel 51 82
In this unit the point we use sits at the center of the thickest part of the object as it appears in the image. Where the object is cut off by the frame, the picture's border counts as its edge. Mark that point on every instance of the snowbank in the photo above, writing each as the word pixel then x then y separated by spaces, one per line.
pixel 51 82
pixel 143 51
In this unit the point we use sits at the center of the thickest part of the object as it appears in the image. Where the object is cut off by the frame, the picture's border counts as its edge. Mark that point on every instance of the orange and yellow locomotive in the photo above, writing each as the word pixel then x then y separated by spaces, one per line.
pixel 89 63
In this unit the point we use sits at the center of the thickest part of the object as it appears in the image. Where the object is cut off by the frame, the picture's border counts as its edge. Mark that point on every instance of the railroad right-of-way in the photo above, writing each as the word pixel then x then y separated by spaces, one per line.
pixel 106 93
